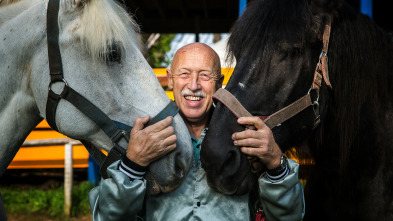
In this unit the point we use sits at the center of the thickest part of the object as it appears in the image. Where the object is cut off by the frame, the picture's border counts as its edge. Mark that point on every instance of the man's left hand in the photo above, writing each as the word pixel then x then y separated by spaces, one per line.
pixel 258 143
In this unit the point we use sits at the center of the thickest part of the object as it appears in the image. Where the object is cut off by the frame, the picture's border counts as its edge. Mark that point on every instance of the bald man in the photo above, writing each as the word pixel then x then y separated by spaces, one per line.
pixel 194 76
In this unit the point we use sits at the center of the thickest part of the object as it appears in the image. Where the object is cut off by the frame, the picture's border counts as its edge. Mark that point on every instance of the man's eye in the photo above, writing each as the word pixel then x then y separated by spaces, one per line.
pixel 205 77
pixel 184 75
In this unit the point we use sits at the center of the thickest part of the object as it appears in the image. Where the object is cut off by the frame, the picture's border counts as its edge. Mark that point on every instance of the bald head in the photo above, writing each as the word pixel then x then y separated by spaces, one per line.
pixel 199 50
pixel 194 76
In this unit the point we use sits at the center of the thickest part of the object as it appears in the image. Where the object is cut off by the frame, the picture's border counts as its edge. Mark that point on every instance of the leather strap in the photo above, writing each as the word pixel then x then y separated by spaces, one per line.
pixel 288 111
pixel 230 101
pixel 321 69
pixel 54 57
pixel 170 109
pixel 226 98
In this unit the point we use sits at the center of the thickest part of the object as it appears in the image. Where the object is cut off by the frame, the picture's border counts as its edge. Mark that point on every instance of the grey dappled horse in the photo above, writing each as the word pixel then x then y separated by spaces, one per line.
pixel 101 61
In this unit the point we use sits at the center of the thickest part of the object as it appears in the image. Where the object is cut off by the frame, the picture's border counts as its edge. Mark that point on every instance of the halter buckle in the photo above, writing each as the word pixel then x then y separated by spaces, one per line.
pixel 55 81
pixel 320 56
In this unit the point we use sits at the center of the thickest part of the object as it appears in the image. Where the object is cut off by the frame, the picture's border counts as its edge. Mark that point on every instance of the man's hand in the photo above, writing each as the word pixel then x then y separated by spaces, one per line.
pixel 259 143
pixel 151 143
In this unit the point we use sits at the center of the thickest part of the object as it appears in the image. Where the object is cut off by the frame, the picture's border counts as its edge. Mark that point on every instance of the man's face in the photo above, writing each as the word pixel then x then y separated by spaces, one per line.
pixel 194 81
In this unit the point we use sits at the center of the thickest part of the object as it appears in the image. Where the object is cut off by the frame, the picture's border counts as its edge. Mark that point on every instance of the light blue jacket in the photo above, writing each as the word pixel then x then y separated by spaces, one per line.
pixel 118 198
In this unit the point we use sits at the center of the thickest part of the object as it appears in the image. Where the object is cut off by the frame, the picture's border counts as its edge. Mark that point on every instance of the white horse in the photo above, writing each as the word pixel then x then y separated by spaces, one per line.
pixel 101 60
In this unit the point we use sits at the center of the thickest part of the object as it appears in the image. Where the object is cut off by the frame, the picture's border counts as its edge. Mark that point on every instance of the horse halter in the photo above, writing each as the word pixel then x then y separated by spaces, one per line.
pixel 116 131
pixel 321 72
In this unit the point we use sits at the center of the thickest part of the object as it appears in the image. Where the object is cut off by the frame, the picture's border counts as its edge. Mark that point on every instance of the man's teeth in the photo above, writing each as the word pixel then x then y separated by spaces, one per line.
pixel 192 98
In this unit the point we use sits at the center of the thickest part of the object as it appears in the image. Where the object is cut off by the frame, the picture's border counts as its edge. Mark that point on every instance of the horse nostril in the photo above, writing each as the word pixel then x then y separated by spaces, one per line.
pixel 179 167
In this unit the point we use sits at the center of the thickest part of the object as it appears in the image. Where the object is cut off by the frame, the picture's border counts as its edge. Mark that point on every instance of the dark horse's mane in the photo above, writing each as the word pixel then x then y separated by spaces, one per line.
pixel 361 70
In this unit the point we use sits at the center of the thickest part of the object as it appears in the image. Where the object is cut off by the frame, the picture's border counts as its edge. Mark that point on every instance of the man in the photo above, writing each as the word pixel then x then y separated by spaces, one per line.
pixel 194 76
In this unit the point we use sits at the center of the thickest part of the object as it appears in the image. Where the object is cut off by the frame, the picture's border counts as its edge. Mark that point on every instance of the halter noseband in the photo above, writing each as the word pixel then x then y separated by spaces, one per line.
pixel 321 72
pixel 116 131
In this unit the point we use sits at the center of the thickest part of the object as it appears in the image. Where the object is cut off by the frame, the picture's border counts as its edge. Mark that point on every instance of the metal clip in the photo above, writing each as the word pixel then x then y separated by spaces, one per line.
pixel 119 135
pixel 50 84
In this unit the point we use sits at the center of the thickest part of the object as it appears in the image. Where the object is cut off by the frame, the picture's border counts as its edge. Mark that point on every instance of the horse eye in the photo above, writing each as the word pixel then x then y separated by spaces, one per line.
pixel 292 53
pixel 113 55
pixel 297 51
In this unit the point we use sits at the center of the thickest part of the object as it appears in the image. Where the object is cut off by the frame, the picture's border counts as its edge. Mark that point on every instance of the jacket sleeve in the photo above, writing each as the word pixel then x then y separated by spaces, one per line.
pixel 284 199
pixel 117 198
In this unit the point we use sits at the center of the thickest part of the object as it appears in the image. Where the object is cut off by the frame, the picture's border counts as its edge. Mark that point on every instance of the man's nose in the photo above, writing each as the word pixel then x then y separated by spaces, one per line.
pixel 194 83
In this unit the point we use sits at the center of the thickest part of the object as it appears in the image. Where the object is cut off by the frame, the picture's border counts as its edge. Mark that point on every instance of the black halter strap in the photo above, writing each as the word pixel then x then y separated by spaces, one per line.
pixel 113 129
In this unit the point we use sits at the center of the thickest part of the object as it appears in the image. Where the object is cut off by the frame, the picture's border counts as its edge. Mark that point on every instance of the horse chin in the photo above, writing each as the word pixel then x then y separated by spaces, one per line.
pixel 153 188
pixel 241 189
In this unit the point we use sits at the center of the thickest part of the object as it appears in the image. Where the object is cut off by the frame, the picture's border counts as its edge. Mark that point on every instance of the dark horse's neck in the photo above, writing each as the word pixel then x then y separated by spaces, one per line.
pixel 353 145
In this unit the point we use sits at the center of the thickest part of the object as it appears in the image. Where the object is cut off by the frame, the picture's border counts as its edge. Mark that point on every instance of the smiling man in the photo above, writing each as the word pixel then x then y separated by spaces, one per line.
pixel 194 76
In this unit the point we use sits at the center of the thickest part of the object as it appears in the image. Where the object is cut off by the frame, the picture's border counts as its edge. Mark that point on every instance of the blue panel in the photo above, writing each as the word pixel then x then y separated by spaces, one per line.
pixel 93 172
pixel 366 7
pixel 242 6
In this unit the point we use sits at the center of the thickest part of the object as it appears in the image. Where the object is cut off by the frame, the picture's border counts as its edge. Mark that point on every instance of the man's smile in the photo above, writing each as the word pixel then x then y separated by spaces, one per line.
pixel 193 98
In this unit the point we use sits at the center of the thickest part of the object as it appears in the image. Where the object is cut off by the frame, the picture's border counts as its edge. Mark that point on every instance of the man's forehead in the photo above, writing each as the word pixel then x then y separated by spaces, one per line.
pixel 188 59
pixel 195 52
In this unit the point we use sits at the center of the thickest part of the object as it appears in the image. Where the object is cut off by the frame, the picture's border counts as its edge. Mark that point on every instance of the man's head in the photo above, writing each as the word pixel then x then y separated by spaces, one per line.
pixel 194 76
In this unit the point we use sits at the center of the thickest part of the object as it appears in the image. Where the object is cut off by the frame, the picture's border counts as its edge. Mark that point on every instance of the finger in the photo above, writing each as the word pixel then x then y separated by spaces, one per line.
pixel 256 121
pixel 168 141
pixel 250 151
pixel 166 132
pixel 245 134
pixel 139 123
pixel 249 142
pixel 164 151
pixel 170 148
pixel 160 125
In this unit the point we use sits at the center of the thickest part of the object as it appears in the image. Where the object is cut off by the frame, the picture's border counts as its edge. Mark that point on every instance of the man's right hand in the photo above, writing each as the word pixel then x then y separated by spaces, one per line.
pixel 151 143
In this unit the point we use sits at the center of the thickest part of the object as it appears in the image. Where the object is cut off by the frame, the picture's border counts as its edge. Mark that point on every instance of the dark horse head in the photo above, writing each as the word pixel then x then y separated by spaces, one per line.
pixel 277 44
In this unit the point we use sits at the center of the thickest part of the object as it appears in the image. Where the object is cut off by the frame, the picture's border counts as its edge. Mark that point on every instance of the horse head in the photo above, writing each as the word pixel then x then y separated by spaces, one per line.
pixel 276 61
pixel 101 60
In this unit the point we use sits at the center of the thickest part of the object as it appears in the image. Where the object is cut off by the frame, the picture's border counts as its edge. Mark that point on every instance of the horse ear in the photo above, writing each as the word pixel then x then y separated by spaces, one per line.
pixel 323 7
pixel 319 10
pixel 169 78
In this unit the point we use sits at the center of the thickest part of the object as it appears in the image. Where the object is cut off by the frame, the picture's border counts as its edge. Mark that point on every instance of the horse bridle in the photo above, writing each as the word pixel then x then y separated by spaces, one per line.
pixel 321 72
pixel 116 131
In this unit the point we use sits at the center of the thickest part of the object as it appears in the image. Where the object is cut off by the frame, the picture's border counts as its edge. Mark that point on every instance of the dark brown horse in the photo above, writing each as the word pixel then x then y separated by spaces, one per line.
pixel 277 45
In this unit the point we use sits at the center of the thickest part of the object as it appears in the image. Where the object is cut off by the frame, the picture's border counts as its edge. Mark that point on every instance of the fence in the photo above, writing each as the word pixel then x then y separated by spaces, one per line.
pixel 68 164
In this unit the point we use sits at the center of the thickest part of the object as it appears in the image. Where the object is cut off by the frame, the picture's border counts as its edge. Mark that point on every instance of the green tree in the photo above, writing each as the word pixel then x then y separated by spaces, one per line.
pixel 157 51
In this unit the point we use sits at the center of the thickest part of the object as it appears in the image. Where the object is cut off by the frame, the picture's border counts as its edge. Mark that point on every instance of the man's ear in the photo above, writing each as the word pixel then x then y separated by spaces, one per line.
pixel 169 78
pixel 220 81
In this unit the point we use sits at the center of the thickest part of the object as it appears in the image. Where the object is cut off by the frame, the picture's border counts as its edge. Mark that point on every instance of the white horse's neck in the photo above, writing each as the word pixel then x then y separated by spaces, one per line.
pixel 18 111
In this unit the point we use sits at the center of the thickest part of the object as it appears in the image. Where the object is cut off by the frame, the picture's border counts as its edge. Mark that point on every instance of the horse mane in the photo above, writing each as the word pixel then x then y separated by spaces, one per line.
pixel 103 24
pixel 264 27
pixel 360 62
pixel 360 65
